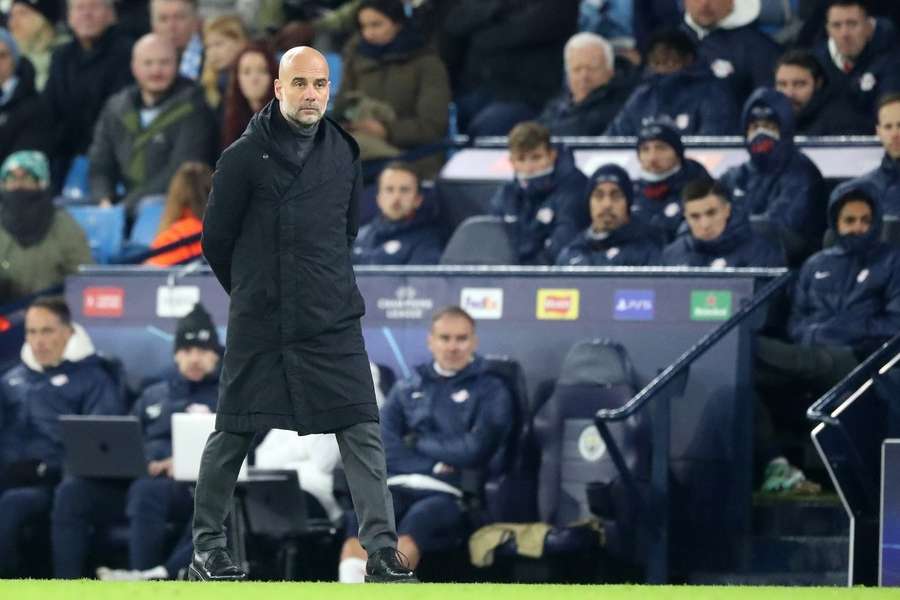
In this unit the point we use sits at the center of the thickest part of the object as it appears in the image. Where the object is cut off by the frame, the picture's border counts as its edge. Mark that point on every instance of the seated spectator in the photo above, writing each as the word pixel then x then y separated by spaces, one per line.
pixel 24 121
pixel 39 243
pixel 886 178
pixel 651 16
pixel 151 502
pixel 817 108
pixel 223 38
pixel 737 52
pixel 183 213
pixel 719 234
pixel 544 203
pixel 679 87
pixel 614 238
pixel 504 60
pixel 32 24
pixel 597 88
pixel 59 374
pixel 664 173
pixel 846 304
pixel 249 89
pixel 177 21
pixel 401 234
pixel 860 57
pixel 261 16
pixel 613 19
pixel 394 88
pixel 778 180
pixel 84 73
pixel 450 415
pixel 148 129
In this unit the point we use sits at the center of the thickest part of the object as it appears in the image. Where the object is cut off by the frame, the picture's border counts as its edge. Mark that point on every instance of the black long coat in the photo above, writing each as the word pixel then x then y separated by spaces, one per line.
pixel 277 235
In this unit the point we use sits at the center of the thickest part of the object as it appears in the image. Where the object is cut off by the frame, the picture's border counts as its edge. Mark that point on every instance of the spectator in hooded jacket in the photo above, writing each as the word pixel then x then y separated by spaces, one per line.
pixel 39 243
pixel 33 24
pixel 614 238
pixel 404 233
pixel 545 202
pixel 886 178
pixel 597 85
pixel 678 86
pixel 23 117
pixel 818 110
pixel 150 502
pixel 451 414
pixel 84 73
pixel 860 57
pixel 148 129
pixel 719 233
pixel 738 53
pixel 778 181
pixel 664 173
pixel 59 374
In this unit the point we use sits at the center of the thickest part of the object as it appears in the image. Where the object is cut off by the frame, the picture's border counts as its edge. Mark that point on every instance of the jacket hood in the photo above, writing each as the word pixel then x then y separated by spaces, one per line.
pixel 78 348
pixel 778 104
pixel 260 131
pixel 862 189
pixel 737 231
pixel 423 217
pixel 473 369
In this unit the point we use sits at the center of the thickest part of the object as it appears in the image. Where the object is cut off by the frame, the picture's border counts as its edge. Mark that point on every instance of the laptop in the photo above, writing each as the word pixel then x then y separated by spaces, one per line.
pixel 189 434
pixel 103 446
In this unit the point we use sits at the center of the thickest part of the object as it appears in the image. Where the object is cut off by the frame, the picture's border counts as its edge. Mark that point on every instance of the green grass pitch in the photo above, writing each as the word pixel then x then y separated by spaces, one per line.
pixel 97 590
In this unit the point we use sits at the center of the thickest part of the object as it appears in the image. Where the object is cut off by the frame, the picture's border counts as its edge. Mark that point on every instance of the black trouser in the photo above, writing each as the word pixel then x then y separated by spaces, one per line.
pixel 361 452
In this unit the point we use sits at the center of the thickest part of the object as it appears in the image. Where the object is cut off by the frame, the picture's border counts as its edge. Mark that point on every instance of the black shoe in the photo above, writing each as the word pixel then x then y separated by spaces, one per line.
pixel 388 565
pixel 214 565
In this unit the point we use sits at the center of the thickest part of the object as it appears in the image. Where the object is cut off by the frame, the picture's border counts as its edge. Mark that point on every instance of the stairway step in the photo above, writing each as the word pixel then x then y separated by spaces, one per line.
pixel 801 578
pixel 799 554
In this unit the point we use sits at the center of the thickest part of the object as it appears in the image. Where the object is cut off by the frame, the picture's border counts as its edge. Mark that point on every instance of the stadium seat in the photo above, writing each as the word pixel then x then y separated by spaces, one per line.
pixel 104 228
pixel 480 240
pixel 595 374
pixel 146 222
pixel 77 185
pixel 335 69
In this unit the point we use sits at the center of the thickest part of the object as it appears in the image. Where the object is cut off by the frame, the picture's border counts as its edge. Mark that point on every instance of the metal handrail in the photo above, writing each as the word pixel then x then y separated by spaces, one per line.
pixel 680 366
pixel 820 410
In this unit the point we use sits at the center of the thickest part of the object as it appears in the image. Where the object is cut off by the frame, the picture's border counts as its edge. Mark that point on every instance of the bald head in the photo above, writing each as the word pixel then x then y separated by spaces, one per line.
pixel 302 86
pixel 153 64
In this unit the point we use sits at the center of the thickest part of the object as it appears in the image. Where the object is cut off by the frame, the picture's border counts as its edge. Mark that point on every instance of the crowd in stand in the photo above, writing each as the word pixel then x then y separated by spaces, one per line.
pixel 150 92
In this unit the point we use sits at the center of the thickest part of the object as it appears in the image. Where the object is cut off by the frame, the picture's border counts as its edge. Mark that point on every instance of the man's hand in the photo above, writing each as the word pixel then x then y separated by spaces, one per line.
pixel 369 126
pixel 161 468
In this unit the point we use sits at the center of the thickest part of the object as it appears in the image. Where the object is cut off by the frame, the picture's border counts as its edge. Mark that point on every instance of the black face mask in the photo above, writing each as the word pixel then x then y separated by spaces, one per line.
pixel 26 214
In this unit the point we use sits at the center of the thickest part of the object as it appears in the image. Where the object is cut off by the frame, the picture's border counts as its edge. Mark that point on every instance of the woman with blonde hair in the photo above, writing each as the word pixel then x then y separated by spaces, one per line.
pixel 223 39
pixel 183 214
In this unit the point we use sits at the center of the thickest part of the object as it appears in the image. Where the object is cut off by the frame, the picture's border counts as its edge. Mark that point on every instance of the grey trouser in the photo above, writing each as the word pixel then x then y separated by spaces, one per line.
pixel 363 457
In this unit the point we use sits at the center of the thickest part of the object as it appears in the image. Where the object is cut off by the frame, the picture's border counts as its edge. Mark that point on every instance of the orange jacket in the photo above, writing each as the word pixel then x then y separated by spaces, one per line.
pixel 180 229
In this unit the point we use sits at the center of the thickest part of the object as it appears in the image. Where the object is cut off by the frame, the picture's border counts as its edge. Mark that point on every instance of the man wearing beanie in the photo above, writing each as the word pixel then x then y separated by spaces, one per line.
pixel 778 182
pixel 664 173
pixel 719 234
pixel 613 239
pixel 154 501
pixel 846 303
pixel 23 117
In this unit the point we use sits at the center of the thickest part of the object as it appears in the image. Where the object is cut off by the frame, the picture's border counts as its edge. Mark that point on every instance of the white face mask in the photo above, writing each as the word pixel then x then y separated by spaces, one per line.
pixel 772 133
pixel 656 177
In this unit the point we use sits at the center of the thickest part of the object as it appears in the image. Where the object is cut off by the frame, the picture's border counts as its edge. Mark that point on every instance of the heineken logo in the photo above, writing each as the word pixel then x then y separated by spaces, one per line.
pixel 710 305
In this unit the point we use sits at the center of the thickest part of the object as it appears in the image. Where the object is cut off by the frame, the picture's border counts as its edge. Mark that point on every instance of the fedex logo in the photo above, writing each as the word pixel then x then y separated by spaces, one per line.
pixel 634 305
pixel 482 303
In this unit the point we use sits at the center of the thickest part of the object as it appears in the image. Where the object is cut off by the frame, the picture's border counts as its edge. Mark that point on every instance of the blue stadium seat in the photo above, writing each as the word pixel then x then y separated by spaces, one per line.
pixel 77 185
pixel 146 222
pixel 335 70
pixel 104 228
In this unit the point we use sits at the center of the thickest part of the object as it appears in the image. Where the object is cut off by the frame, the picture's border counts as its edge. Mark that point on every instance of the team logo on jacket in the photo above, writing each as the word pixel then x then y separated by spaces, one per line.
pixel 558 304
pixel 59 380
pixel 482 303
pixel 460 396
pixel 867 82
pixel 545 215
pixel 719 263
pixel 392 246
pixel 634 305
pixel 863 275
pixel 722 68
pixel 682 121
pixel 612 253
pixel 710 305
pixel 671 209
pixel 154 410
pixel 590 444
